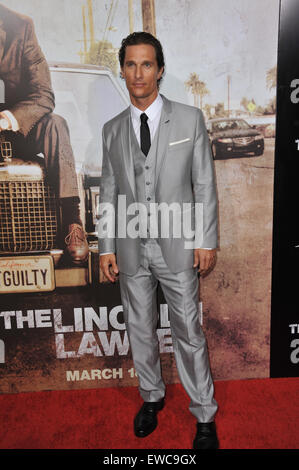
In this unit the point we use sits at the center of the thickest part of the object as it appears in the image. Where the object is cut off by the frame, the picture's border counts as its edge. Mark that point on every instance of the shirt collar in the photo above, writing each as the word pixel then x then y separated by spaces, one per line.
pixel 152 111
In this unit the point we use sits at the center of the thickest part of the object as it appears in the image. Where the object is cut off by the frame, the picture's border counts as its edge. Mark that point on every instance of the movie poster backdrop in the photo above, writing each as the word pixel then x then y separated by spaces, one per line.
pixel 60 326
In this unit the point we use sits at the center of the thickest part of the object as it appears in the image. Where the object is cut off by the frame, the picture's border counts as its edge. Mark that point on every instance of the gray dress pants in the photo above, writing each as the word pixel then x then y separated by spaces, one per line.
pixel 138 293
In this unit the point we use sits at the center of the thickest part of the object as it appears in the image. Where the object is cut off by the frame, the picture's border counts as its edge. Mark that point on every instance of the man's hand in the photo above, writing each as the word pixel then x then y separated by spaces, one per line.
pixel 204 258
pixel 5 123
pixel 105 262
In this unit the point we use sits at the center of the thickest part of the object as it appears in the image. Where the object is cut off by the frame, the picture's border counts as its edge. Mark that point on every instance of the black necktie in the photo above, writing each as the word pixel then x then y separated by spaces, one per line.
pixel 145 137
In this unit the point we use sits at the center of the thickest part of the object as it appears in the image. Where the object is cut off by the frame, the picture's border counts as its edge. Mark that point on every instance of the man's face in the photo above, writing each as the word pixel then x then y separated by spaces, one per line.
pixel 141 72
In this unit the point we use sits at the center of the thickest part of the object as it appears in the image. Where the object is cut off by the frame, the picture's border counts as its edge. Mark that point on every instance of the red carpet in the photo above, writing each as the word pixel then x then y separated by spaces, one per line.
pixel 253 414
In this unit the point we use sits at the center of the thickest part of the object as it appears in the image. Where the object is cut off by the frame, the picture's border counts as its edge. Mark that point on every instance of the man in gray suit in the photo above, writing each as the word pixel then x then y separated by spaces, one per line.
pixel 27 121
pixel 157 152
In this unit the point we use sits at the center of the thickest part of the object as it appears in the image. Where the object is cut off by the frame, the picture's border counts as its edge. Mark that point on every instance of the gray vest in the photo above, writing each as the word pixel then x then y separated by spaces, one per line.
pixel 145 171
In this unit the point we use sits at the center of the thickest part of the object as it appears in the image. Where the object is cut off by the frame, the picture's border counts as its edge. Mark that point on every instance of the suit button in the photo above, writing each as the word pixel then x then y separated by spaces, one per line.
pixel 146 167
pixel 148 198
pixel 147 183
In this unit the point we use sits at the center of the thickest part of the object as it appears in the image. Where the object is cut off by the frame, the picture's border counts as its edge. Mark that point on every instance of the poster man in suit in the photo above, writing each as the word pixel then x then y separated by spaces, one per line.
pixel 27 120
pixel 157 151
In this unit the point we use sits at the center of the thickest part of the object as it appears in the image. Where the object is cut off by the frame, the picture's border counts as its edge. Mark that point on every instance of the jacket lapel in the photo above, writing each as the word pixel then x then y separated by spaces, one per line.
pixel 162 144
pixel 163 136
pixel 126 137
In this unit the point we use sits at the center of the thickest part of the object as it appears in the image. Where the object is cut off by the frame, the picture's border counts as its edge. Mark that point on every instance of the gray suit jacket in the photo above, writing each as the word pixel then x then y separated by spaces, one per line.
pixel 184 174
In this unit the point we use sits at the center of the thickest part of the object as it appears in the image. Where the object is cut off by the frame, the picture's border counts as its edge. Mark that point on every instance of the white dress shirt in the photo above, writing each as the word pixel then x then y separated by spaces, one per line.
pixel 153 113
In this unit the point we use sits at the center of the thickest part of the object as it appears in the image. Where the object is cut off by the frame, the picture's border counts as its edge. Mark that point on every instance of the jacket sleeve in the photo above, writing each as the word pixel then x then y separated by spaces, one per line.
pixel 204 188
pixel 37 97
pixel 107 204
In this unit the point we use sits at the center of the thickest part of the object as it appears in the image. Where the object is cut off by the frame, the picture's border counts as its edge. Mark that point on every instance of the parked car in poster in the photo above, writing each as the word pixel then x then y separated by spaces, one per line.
pixel 234 137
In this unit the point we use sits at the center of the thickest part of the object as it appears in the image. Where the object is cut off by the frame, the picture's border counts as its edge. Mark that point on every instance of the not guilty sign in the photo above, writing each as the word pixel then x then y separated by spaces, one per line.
pixel 26 274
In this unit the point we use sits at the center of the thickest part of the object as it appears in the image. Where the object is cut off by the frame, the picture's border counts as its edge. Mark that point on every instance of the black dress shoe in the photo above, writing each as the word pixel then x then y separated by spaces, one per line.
pixel 145 421
pixel 206 436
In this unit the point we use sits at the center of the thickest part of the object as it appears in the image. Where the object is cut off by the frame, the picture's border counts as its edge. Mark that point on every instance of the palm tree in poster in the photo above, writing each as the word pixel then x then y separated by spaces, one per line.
pixel 197 87
pixel 271 77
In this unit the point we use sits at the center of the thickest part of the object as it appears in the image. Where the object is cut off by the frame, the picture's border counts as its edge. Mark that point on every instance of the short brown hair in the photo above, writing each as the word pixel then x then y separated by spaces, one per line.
pixel 142 37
